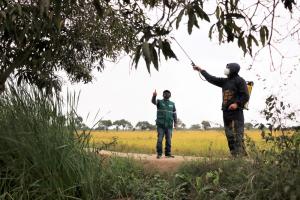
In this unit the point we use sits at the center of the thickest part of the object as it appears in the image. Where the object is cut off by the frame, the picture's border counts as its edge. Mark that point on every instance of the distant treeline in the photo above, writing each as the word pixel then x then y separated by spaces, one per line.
pixel 124 124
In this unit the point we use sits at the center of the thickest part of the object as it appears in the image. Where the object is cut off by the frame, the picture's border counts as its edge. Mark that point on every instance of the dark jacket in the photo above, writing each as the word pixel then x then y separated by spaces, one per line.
pixel 234 88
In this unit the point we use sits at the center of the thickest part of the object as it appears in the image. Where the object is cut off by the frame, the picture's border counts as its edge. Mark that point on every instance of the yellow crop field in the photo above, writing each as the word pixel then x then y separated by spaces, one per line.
pixel 198 143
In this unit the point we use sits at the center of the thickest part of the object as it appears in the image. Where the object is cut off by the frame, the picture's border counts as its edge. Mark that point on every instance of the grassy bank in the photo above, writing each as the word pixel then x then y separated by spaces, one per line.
pixel 43 157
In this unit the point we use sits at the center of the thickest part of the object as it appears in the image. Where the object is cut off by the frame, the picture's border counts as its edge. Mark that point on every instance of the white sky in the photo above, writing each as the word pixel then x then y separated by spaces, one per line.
pixel 121 92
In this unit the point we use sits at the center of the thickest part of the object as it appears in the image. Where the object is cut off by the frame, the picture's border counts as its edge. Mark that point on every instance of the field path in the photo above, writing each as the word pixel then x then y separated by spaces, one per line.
pixel 151 162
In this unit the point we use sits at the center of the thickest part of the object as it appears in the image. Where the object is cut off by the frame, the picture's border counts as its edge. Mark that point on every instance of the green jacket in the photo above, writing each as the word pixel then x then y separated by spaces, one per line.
pixel 166 113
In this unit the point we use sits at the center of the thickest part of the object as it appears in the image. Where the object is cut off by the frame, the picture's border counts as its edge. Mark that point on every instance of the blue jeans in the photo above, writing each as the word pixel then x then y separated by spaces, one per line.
pixel 161 132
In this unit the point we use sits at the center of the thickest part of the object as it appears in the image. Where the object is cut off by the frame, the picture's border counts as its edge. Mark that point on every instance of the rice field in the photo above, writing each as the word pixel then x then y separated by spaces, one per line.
pixel 196 143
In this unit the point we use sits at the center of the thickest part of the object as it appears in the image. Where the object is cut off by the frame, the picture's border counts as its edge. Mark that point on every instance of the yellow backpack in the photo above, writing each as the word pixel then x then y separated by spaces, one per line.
pixel 249 87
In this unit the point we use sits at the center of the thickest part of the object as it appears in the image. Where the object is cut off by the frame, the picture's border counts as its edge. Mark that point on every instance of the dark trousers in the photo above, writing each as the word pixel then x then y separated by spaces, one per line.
pixel 234 130
pixel 161 132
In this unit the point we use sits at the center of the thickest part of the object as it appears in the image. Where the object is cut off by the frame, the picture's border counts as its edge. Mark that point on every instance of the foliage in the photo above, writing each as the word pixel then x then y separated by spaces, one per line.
pixel 104 124
pixel 205 125
pixel 40 38
pixel 123 123
pixel 248 125
pixel 79 125
pixel 144 125
pixel 41 155
pixel 195 127
pixel 180 124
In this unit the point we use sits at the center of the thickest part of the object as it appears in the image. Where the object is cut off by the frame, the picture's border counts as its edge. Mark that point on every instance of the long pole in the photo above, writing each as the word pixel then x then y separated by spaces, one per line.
pixel 187 55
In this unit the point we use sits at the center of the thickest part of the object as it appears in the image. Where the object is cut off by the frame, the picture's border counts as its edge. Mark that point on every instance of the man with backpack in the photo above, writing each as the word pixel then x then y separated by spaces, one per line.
pixel 166 115
pixel 235 96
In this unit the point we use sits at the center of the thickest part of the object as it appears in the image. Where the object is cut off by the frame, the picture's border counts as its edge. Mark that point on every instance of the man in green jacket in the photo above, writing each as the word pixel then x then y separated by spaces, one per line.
pixel 166 115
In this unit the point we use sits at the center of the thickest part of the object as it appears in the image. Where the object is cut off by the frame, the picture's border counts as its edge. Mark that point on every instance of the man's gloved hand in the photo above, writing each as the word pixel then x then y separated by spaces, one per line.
pixel 197 68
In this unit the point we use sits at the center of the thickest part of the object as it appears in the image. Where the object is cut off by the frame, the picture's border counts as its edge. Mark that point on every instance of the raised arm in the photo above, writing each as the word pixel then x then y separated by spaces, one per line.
pixel 153 100
pixel 211 79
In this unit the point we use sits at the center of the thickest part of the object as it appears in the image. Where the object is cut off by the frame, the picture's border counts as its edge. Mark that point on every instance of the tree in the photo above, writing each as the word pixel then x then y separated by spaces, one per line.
pixel 79 123
pixel 40 38
pixel 195 127
pixel 104 124
pixel 248 125
pixel 180 124
pixel 144 125
pixel 205 125
pixel 123 123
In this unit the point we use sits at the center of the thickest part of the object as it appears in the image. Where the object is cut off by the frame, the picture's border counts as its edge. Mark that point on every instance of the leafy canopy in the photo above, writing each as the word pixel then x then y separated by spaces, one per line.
pixel 39 38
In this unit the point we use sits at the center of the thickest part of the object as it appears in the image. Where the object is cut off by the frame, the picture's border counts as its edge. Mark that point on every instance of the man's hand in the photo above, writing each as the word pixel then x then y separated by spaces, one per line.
pixel 175 125
pixel 233 106
pixel 197 68
pixel 155 93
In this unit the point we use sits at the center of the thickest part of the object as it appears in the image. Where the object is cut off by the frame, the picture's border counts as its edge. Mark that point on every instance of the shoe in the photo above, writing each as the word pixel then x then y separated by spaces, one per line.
pixel 169 156
pixel 158 156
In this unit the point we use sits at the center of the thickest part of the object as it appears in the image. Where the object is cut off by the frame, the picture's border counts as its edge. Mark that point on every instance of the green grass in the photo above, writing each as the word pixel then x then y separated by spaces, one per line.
pixel 39 155
pixel 43 157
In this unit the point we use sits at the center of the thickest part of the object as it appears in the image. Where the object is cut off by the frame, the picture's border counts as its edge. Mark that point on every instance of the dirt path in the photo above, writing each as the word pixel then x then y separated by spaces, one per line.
pixel 151 162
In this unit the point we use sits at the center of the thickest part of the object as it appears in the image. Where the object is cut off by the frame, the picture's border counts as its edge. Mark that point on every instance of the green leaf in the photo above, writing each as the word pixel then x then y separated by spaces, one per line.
pixel 218 11
pixel 191 20
pixel 220 35
pixel 201 13
pixel 206 17
pixel 147 54
pixel 137 55
pixel 167 51
pixel 254 39
pixel 146 50
pixel 196 23
pixel 154 56
pixel 160 46
pixel 267 32
pixel 210 31
pixel 262 36
pixel 249 44
pixel 179 17
pixel 242 44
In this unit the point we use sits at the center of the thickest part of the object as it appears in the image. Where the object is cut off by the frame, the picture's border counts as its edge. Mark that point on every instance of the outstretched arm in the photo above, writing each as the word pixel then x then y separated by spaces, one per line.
pixel 211 79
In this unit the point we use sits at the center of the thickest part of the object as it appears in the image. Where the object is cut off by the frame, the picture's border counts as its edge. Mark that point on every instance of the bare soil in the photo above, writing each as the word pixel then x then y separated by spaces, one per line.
pixel 150 161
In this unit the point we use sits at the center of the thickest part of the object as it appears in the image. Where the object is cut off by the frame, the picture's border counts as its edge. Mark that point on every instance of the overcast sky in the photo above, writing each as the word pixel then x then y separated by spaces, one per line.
pixel 121 92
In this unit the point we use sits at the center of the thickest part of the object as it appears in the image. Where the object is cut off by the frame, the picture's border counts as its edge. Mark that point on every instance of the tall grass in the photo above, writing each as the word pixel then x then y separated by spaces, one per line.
pixel 40 157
